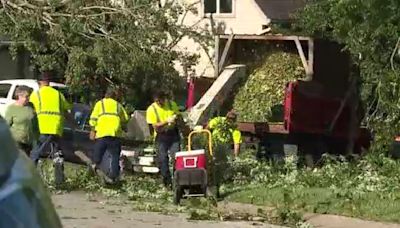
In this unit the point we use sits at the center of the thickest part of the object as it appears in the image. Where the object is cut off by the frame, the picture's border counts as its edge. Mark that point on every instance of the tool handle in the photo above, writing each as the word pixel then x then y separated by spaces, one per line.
pixel 209 139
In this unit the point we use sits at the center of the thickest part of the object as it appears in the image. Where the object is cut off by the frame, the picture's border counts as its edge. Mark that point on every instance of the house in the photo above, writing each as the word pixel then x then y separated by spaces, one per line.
pixel 223 17
pixel 13 68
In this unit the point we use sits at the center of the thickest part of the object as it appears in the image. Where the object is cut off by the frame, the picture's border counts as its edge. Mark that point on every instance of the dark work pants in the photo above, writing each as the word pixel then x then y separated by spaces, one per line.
pixel 45 143
pixel 107 151
pixel 166 146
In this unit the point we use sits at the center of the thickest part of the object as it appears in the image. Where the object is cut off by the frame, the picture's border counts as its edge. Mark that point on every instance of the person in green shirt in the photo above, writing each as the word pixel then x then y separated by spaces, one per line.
pixel 21 118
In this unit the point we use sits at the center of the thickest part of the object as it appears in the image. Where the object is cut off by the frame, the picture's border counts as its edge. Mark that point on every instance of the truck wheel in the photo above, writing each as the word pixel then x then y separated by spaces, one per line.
pixel 178 195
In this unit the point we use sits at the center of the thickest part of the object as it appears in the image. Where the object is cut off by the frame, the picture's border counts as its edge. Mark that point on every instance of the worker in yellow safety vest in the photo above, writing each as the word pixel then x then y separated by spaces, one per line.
pixel 50 106
pixel 225 132
pixel 107 120
pixel 162 116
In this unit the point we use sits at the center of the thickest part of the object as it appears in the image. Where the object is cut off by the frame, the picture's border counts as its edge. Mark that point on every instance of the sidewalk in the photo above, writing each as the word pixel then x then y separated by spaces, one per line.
pixel 335 221
pixel 317 220
pixel 76 211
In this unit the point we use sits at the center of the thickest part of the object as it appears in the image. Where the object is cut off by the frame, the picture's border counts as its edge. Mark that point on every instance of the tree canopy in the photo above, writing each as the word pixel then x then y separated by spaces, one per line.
pixel 96 43
pixel 370 31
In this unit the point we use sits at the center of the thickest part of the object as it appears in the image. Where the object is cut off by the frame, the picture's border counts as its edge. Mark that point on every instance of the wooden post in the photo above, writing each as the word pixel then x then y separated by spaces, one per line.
pixel 216 57
pixel 225 53
pixel 302 56
pixel 310 59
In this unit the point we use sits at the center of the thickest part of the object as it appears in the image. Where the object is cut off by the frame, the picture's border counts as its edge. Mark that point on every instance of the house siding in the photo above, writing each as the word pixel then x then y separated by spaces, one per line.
pixel 250 17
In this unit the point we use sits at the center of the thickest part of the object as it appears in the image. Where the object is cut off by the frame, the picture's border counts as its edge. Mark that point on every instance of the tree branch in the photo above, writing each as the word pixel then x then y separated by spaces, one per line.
pixel 394 54
pixel 106 35
pixel 3 2
pixel 179 38
pixel 187 10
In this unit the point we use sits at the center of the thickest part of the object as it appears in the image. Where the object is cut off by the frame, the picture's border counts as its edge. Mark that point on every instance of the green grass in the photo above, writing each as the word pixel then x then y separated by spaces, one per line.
pixel 323 201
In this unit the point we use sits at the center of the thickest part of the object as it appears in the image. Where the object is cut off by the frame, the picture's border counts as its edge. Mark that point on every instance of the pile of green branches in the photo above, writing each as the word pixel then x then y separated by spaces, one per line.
pixel 260 97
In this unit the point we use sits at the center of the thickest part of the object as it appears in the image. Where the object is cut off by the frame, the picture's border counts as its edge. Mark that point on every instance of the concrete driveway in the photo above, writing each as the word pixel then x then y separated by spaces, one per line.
pixel 75 210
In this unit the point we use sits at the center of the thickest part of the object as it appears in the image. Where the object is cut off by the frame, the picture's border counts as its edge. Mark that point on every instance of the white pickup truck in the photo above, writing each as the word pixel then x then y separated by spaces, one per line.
pixel 7 90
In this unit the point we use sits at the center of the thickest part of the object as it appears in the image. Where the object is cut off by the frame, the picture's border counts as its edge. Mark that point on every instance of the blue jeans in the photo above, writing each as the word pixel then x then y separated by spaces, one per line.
pixel 45 143
pixel 107 151
pixel 166 146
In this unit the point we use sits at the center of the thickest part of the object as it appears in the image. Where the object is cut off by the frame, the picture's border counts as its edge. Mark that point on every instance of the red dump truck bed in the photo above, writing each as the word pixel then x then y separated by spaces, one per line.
pixel 308 110
pixel 310 115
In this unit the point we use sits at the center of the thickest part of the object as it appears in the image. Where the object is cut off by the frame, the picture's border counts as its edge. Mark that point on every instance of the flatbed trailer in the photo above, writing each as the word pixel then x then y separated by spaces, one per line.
pixel 271 139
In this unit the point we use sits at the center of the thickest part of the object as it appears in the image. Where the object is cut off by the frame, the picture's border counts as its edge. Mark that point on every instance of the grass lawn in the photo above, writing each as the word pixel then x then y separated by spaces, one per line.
pixel 323 201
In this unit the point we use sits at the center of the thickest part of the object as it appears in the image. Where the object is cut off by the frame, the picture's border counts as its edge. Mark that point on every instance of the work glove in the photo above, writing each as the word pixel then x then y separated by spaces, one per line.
pixel 171 119
pixel 198 128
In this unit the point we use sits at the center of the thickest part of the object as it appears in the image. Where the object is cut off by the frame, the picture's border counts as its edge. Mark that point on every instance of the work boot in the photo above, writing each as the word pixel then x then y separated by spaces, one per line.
pixel 167 184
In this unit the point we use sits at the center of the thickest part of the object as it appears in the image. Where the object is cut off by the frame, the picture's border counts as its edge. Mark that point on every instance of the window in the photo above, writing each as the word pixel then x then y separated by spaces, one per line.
pixel 4 89
pixel 218 6
pixel 225 6
pixel 210 6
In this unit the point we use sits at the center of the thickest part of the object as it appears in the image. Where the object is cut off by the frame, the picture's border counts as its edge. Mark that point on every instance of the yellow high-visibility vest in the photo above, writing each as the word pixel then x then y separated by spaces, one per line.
pixel 50 106
pixel 156 114
pixel 107 118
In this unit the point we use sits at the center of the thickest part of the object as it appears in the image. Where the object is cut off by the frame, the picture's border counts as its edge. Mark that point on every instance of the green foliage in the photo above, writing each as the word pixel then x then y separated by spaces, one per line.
pixel 95 44
pixel 222 130
pixel 369 30
pixel 367 175
pixel 339 187
pixel 261 96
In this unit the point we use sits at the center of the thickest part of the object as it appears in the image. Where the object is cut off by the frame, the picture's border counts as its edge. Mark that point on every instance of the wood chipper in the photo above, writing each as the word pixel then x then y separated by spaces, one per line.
pixel 191 176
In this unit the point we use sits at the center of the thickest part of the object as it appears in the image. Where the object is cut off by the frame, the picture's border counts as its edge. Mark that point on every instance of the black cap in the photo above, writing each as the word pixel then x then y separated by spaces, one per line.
pixel 231 115
pixel 160 94
pixel 46 76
